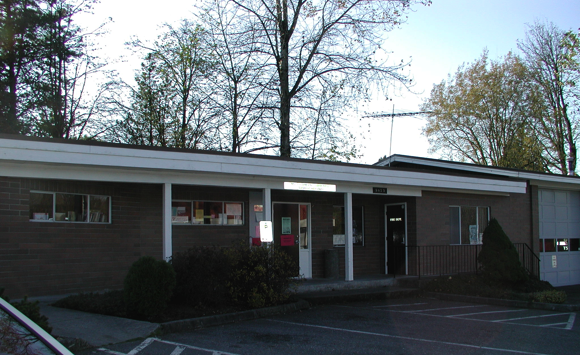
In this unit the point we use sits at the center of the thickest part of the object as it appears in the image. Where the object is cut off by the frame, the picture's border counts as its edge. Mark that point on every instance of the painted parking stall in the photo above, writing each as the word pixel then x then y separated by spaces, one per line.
pixel 485 313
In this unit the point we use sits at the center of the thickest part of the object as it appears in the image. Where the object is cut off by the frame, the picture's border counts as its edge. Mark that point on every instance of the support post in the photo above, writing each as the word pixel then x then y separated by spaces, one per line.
pixel 267 204
pixel 348 255
pixel 167 228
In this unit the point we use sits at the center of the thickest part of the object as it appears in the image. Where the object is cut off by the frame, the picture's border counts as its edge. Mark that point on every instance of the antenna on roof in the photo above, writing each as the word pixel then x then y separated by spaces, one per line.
pixel 393 115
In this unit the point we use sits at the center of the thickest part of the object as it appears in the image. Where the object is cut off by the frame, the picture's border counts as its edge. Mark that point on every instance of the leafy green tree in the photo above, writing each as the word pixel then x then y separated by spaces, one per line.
pixel 174 92
pixel 19 23
pixel 484 115
pixel 557 128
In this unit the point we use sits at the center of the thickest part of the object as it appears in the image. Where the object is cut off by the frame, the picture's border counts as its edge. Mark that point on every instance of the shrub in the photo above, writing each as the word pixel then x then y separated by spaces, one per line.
pixel 201 275
pixel 260 276
pixel 499 258
pixel 552 296
pixel 148 287
pixel 31 310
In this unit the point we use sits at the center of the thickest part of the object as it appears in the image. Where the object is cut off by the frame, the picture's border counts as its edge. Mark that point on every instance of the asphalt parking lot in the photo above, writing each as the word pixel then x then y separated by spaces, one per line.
pixel 405 326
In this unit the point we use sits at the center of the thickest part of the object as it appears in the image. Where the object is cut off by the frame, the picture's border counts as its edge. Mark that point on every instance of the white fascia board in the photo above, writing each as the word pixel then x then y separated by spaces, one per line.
pixel 537 178
pixel 121 159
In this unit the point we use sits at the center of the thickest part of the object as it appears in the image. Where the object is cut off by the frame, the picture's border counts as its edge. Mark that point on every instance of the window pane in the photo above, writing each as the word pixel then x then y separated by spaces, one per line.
pixel 454 226
pixel 234 213
pixel 357 226
pixel 563 245
pixel 180 212
pixel 72 208
pixel 40 206
pixel 574 245
pixel 468 225
pixel 338 220
pixel 541 245
pixel 482 222
pixel 303 227
pixel 549 245
pixel 211 212
pixel 99 209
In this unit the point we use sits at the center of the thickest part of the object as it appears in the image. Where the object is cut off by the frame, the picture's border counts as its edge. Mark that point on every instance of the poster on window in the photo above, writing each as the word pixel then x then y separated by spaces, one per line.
pixel 473 234
pixel 286 225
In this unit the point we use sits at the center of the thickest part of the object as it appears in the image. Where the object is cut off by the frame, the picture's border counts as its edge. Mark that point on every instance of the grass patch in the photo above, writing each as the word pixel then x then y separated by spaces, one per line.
pixel 476 285
pixel 112 303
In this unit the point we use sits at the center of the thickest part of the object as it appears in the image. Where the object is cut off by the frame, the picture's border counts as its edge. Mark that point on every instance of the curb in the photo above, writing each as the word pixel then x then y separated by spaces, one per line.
pixel 355 297
pixel 210 321
pixel 507 303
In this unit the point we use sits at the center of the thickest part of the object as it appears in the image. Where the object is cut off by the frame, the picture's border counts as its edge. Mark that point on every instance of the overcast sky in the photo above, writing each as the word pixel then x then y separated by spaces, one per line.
pixel 439 38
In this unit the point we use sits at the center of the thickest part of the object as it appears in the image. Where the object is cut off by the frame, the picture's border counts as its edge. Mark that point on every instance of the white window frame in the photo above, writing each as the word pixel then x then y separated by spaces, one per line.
pixel 54 193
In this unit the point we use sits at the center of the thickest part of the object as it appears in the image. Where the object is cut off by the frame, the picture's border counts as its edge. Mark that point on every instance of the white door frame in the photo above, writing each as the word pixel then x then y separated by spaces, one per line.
pixel 386 233
pixel 304 255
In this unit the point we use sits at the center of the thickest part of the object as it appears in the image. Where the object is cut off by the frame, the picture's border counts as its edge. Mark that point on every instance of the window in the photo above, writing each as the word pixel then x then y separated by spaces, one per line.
pixel 560 245
pixel 466 224
pixel 63 207
pixel 207 212
pixel 357 225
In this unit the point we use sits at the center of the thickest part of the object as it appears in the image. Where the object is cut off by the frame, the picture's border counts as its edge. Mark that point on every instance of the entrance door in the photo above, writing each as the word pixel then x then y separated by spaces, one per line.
pixel 396 239
pixel 292 234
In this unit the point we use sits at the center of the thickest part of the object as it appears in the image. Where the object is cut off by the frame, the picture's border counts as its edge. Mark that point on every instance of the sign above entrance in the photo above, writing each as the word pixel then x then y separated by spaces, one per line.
pixel 304 186
pixel 379 190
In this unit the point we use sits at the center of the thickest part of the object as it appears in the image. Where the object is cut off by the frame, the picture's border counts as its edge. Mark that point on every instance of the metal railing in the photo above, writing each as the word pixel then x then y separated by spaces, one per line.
pixel 437 260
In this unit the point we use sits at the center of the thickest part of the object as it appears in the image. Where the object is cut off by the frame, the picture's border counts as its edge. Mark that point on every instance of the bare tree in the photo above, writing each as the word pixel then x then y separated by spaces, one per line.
pixel 557 128
pixel 310 42
pixel 239 77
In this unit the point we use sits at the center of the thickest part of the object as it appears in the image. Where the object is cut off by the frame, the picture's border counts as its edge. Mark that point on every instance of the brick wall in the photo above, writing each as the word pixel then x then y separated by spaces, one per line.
pixel 512 212
pixel 49 258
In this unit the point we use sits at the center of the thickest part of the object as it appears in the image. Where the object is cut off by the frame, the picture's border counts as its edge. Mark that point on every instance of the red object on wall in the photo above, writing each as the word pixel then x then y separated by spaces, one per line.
pixel 256 242
pixel 287 240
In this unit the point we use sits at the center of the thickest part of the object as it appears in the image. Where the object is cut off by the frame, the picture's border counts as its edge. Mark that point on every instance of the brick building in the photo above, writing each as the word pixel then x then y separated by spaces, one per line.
pixel 75 215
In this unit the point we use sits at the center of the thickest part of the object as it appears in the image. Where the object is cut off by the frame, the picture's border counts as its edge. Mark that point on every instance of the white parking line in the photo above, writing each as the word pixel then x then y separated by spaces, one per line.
pixel 530 317
pixel 179 348
pixel 400 305
pixel 407 338
pixel 471 314
pixel 440 309
pixel 571 320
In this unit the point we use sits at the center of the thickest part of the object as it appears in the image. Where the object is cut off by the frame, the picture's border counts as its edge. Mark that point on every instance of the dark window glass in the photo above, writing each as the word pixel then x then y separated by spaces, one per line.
pixel 100 207
pixel 72 208
pixel 454 225
pixel 574 244
pixel 41 206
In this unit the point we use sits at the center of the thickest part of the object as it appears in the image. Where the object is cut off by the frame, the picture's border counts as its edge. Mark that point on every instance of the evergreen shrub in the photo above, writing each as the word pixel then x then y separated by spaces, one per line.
pixel 148 287
pixel 260 276
pixel 201 275
pixel 499 258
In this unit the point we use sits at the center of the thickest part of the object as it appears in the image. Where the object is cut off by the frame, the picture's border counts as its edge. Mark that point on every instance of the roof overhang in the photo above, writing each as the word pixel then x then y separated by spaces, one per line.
pixel 120 163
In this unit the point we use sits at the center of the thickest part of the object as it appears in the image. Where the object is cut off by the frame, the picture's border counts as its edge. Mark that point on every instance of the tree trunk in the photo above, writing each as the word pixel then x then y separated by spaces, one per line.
pixel 285 150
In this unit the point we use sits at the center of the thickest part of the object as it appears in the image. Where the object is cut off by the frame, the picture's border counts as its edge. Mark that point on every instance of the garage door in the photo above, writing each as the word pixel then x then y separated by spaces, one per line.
pixel 559 237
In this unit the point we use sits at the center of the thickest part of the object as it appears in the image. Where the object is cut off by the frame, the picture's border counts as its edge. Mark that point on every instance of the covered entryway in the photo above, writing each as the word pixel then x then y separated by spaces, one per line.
pixel 396 238
pixel 559 236
pixel 291 224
